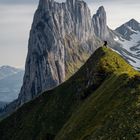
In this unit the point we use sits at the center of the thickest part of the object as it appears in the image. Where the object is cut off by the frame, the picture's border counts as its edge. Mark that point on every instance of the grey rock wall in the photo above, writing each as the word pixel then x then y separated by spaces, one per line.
pixel 61 39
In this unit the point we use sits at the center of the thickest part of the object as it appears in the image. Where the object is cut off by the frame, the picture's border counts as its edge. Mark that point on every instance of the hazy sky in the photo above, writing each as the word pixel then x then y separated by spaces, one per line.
pixel 16 17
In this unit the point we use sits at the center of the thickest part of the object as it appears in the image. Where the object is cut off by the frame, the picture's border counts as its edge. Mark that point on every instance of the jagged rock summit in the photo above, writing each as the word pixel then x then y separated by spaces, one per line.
pixel 102 30
pixel 100 24
pixel 61 39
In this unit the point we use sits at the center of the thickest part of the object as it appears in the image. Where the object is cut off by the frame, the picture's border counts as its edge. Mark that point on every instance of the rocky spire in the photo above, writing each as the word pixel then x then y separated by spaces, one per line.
pixel 71 2
pixel 61 37
pixel 100 23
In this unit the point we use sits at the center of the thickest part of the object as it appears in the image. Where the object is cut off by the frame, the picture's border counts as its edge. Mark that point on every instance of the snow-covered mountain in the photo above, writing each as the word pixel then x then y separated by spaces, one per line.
pixel 7 71
pixel 130 42
pixel 10 83
pixel 128 29
pixel 125 39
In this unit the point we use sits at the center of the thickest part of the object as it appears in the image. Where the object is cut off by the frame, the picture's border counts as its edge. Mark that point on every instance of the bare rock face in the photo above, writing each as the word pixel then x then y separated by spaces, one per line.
pixel 61 39
pixel 100 24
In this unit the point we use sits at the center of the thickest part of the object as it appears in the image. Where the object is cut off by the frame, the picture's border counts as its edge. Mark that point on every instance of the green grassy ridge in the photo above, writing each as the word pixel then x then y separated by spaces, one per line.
pixel 110 113
pixel 64 94
pixel 48 116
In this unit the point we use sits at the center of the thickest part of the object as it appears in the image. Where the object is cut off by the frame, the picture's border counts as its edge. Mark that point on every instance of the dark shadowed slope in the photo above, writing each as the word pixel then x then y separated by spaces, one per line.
pixel 101 101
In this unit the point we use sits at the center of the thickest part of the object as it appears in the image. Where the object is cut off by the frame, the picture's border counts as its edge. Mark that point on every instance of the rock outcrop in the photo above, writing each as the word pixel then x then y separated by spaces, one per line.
pixel 61 39
pixel 100 24
pixel 102 30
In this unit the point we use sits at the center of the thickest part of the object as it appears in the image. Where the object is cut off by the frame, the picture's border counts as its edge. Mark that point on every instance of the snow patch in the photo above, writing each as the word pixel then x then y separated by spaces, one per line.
pixel 131 48
pixel 116 38
pixel 126 44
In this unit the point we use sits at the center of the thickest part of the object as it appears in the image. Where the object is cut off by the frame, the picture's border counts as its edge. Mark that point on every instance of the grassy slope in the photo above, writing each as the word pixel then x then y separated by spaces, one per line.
pixel 111 113
pixel 100 100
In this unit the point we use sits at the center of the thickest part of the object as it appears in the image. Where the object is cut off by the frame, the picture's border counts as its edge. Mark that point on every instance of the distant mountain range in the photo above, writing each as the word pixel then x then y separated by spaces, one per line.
pixel 10 83
pixel 6 71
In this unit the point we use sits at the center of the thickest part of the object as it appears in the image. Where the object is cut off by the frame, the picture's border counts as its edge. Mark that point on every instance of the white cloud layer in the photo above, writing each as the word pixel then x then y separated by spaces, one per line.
pixel 16 19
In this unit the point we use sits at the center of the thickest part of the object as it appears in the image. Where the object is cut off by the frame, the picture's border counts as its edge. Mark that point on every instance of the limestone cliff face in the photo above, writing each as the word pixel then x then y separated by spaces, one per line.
pixel 61 39
pixel 100 24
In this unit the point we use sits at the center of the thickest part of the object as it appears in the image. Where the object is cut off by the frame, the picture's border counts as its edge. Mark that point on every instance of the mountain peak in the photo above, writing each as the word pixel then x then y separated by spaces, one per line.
pixel 6 67
pixel 57 28
pixel 99 21
pixel 101 8
pixel 6 70
pixel 133 21
pixel 52 4
pixel 135 25
pixel 129 28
